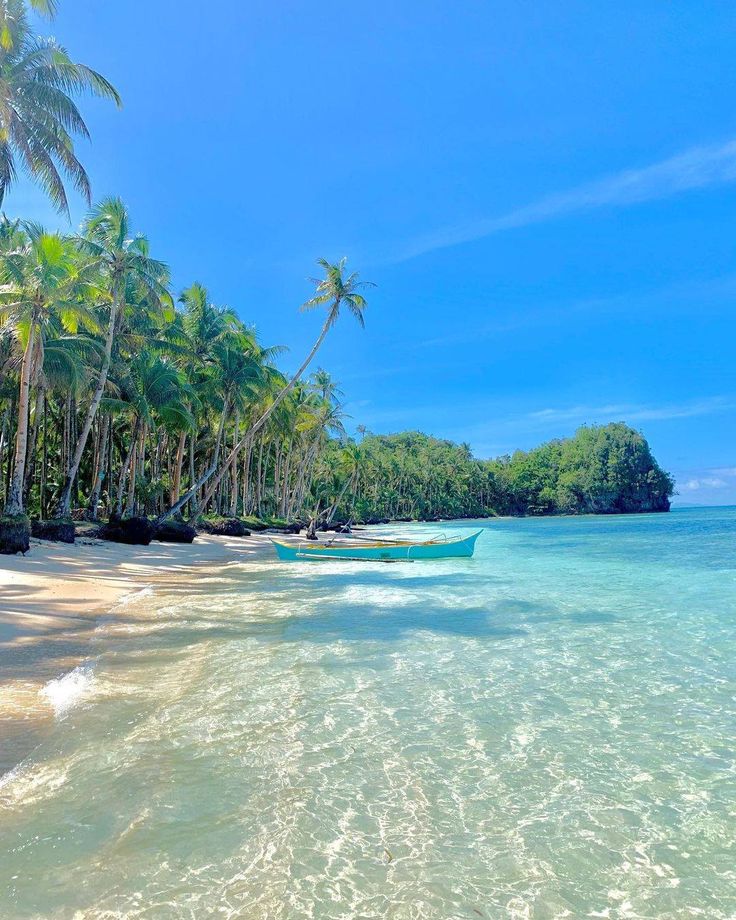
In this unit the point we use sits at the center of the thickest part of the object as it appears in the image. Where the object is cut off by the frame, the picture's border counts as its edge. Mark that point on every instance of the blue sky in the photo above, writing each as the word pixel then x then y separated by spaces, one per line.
pixel 544 194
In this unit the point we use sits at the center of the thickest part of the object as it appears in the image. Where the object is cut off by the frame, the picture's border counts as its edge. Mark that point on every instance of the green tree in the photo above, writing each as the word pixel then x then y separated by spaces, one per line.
pixel 38 116
pixel 335 290
pixel 124 265
pixel 37 285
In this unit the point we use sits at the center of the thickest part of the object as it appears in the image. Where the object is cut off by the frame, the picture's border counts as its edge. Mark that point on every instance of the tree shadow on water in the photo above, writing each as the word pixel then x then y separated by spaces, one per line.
pixel 335 622
pixel 363 622
pixel 593 617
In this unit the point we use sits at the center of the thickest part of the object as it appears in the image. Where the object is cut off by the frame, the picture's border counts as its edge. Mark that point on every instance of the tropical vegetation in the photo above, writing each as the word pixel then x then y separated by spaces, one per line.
pixel 117 401
pixel 122 401
pixel 38 115
pixel 601 470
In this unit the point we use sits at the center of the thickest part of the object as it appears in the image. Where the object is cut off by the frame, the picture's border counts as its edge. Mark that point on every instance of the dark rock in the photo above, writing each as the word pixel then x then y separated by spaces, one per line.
pixel 224 527
pixel 255 525
pixel 58 531
pixel 15 534
pixel 174 531
pixel 135 531
pixel 286 528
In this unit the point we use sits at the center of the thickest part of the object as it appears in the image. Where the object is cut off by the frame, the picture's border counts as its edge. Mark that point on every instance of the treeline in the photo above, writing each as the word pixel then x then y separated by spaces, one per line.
pixel 117 401
pixel 601 470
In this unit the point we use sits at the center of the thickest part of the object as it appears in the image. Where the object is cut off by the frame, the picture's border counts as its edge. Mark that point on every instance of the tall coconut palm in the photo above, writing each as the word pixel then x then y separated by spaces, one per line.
pixel 335 290
pixel 152 390
pixel 124 264
pixel 36 285
pixel 38 116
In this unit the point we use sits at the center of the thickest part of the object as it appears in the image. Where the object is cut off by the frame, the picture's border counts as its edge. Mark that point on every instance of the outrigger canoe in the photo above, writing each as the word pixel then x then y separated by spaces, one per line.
pixel 379 550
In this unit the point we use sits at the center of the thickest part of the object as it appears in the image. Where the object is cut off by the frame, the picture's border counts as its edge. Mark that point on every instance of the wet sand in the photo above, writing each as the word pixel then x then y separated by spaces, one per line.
pixel 51 601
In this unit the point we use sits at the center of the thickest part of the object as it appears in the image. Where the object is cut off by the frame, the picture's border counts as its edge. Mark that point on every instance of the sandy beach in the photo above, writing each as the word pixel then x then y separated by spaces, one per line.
pixel 51 601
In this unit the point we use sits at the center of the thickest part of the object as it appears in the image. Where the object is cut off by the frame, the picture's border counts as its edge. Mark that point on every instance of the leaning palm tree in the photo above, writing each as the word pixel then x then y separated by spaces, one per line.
pixel 38 116
pixel 124 264
pixel 335 290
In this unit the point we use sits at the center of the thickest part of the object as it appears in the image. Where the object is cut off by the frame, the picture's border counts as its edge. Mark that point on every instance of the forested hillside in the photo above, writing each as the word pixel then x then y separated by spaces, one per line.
pixel 602 470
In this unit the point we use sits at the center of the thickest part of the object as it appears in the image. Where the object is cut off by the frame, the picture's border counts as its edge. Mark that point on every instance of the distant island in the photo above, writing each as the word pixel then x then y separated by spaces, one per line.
pixel 601 470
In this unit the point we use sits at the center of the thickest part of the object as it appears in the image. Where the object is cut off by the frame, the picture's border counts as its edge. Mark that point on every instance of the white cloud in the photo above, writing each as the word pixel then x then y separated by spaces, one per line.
pixel 707 482
pixel 698 167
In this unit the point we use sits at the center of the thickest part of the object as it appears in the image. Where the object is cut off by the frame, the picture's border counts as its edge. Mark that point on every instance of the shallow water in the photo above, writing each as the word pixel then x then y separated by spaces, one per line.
pixel 547 730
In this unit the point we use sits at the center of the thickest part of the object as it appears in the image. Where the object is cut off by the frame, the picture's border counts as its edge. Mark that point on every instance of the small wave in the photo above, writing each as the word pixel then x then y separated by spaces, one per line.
pixel 65 692
pixel 134 596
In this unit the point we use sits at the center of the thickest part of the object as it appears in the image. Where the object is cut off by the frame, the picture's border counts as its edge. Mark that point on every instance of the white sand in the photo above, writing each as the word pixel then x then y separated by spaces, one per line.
pixel 50 601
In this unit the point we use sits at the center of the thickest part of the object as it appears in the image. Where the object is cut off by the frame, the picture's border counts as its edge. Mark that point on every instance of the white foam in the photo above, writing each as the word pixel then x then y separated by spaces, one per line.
pixel 135 595
pixel 65 692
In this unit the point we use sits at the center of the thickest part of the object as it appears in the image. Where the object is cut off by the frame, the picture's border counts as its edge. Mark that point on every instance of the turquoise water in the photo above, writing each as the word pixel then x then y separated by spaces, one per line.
pixel 547 730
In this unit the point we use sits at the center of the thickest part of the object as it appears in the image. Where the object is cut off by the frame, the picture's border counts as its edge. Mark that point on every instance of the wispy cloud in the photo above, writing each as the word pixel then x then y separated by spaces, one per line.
pixel 695 168
pixel 630 412
pixel 527 427
pixel 710 293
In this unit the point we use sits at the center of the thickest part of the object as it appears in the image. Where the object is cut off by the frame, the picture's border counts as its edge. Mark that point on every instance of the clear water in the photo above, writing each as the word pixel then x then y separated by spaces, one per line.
pixel 545 731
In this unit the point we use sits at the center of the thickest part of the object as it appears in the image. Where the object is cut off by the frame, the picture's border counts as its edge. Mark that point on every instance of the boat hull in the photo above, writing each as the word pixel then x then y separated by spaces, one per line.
pixel 377 552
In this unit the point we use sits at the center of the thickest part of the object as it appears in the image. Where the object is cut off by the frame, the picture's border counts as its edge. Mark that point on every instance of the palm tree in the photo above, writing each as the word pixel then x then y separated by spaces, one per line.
pixel 36 286
pixel 38 117
pixel 152 391
pixel 335 290
pixel 45 7
pixel 126 267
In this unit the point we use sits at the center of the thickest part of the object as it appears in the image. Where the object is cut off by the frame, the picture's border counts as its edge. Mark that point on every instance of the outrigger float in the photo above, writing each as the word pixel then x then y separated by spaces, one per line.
pixel 378 550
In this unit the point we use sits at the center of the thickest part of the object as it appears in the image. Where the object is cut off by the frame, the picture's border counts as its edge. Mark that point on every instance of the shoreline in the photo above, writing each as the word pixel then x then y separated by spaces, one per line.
pixel 54 598
pixel 52 602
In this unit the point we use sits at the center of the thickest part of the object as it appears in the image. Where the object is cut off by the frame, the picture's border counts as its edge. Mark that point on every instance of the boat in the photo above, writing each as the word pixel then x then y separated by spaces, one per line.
pixel 378 550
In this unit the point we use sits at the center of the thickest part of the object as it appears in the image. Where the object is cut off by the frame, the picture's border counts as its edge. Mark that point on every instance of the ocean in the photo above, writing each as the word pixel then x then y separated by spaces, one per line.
pixel 547 730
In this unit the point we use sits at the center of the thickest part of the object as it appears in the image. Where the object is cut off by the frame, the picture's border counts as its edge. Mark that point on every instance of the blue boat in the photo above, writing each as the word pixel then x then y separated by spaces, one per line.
pixel 378 550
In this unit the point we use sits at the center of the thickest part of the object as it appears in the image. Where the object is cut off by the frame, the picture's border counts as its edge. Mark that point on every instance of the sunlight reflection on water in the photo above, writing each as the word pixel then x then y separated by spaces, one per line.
pixel 546 730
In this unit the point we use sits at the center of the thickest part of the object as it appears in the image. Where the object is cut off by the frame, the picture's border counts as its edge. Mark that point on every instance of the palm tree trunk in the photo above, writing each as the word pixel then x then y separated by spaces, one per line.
pixel 44 457
pixel 178 466
pixel 14 504
pixel 246 479
pixel 209 472
pixel 331 513
pixel 99 473
pixel 64 504
pixel 4 441
pixel 259 467
pixel 283 510
pixel 31 457
pixel 129 506
pixel 234 469
pixel 124 471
